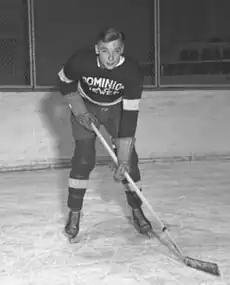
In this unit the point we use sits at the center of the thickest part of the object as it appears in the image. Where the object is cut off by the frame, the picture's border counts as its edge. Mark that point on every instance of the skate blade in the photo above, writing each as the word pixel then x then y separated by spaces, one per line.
pixel 71 239
pixel 151 234
pixel 74 240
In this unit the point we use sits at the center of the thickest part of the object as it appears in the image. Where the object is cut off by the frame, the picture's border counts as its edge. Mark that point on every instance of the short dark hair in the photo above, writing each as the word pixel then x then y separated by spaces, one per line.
pixel 110 34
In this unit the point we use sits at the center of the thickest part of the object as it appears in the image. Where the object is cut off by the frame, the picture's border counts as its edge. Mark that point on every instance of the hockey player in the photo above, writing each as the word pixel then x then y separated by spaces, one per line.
pixel 102 86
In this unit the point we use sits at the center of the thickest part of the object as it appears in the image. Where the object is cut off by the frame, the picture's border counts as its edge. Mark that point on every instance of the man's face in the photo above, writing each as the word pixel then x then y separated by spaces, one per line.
pixel 109 53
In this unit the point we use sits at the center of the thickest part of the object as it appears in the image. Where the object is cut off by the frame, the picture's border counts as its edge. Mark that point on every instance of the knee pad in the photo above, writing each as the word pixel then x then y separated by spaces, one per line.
pixel 84 159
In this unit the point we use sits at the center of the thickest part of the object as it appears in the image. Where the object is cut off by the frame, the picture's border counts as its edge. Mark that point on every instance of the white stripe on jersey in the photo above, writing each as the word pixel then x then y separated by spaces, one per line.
pixel 131 104
pixel 77 183
pixel 83 94
pixel 63 77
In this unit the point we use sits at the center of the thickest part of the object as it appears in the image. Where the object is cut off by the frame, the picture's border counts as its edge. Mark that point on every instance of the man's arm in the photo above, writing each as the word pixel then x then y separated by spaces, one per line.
pixel 131 103
pixel 69 76
pixel 128 124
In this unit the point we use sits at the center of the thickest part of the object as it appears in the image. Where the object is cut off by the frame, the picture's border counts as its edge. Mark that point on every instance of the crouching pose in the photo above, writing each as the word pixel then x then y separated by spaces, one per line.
pixel 102 86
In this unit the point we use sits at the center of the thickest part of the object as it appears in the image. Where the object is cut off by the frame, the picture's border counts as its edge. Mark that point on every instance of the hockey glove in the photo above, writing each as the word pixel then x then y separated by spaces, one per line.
pixel 124 147
pixel 86 119
pixel 78 108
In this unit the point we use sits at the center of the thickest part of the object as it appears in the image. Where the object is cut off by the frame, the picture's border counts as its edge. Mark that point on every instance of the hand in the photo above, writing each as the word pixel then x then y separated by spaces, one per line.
pixel 86 119
pixel 123 147
pixel 122 167
pixel 78 108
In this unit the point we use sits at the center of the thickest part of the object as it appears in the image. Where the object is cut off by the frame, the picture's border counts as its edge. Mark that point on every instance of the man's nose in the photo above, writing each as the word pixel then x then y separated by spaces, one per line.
pixel 111 57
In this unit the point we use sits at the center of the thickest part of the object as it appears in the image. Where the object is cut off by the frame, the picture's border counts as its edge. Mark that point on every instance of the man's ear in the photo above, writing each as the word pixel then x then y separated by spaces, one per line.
pixel 122 49
pixel 96 49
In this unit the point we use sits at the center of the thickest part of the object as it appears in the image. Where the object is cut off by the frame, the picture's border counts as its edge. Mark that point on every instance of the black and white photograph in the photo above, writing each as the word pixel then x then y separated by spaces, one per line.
pixel 114 142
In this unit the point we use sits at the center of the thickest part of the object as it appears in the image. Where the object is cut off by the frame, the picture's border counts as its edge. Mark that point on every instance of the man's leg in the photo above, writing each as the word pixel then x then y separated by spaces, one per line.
pixel 83 162
pixel 140 221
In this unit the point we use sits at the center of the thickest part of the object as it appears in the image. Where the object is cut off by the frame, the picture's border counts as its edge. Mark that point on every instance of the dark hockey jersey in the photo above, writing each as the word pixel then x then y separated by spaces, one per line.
pixel 103 87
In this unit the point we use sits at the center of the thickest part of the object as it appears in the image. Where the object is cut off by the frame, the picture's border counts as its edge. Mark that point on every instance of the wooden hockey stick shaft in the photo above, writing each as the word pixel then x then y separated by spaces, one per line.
pixel 138 192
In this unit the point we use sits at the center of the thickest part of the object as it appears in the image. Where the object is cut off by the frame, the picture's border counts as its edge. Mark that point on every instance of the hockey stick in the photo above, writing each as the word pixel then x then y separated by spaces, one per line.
pixel 164 237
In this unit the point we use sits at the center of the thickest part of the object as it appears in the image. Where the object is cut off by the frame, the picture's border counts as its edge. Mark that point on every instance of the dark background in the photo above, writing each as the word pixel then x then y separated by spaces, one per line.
pixel 63 26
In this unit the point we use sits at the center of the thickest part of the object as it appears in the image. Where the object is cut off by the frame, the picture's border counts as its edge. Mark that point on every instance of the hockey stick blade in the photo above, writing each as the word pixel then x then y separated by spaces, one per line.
pixel 205 266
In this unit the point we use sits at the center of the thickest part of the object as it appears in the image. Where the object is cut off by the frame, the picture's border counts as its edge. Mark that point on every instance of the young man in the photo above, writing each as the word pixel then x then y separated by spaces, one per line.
pixel 104 87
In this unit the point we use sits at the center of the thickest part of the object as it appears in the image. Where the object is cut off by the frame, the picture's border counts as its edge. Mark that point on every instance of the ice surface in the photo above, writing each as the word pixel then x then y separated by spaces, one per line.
pixel 192 199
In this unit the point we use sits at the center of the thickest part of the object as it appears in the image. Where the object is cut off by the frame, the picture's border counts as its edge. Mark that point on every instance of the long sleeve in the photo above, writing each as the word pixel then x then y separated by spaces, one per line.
pixel 70 74
pixel 131 102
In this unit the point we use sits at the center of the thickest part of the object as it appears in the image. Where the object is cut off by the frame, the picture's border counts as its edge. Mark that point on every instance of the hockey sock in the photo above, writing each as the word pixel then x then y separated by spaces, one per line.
pixel 133 200
pixel 75 199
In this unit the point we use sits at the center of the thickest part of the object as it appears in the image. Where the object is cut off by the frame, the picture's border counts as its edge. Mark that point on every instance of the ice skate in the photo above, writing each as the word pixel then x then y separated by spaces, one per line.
pixel 141 223
pixel 72 226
